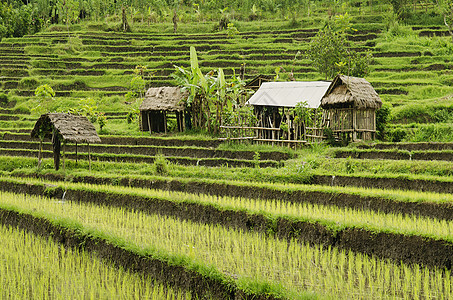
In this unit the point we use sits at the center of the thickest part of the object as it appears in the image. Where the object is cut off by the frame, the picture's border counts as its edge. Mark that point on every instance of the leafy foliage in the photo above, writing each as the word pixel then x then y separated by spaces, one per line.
pixel 382 118
pixel 210 96
pixel 44 91
pixel 44 94
pixel 330 52
pixel 445 8
pixel 18 20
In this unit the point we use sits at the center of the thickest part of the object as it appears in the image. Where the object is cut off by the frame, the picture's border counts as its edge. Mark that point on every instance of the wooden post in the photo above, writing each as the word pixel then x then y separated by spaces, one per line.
pixel 165 121
pixel 289 127
pixel 89 158
pixel 149 122
pixel 354 125
pixel 76 158
pixel 56 144
pixel 178 121
pixel 64 156
pixel 40 153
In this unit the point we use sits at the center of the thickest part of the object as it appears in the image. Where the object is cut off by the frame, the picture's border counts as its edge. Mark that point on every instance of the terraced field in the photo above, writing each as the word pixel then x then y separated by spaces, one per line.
pixel 412 68
pixel 394 243
pixel 350 226
pixel 189 217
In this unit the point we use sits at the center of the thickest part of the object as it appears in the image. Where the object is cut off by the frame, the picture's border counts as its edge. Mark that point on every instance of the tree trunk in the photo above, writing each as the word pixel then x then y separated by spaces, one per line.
pixel 449 27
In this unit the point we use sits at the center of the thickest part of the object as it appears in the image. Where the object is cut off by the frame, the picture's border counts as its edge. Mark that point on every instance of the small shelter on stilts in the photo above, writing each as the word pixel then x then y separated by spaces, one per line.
pixel 273 104
pixel 350 106
pixel 64 128
pixel 160 105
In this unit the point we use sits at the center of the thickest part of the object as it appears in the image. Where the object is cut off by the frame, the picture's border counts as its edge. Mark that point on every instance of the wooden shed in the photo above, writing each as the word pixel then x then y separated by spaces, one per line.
pixel 64 128
pixel 350 106
pixel 161 104
pixel 273 102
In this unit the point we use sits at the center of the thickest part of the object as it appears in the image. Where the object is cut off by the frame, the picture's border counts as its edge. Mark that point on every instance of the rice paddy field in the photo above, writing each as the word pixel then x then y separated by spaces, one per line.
pixel 187 216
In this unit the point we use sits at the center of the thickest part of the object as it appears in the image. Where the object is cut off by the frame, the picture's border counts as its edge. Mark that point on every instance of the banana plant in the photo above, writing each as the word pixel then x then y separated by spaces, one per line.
pixel 208 93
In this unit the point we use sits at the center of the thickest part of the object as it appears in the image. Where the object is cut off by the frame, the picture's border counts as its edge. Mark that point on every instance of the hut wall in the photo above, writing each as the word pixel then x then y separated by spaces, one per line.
pixel 157 120
pixel 366 124
pixel 340 119
pixel 360 124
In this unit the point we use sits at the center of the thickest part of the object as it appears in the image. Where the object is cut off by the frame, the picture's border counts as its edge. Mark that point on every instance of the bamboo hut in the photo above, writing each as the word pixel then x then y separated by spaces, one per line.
pixel 350 106
pixel 273 103
pixel 64 128
pixel 160 105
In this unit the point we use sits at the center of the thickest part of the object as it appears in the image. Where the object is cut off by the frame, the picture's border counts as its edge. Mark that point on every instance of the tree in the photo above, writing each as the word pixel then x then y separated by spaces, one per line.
pixel 44 94
pixel 69 11
pixel 330 52
pixel 445 8
pixel 398 7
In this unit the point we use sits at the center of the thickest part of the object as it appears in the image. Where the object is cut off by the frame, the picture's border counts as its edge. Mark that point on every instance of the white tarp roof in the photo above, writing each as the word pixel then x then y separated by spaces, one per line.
pixel 288 94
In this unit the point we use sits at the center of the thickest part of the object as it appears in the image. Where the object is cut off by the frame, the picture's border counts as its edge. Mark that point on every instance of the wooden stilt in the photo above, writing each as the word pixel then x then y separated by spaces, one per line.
pixel 40 154
pixel 149 123
pixel 76 158
pixel 64 157
pixel 165 122
pixel 89 158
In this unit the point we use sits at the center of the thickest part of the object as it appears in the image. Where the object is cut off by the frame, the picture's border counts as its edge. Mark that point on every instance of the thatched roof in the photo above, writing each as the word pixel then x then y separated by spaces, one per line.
pixel 288 94
pixel 256 82
pixel 348 91
pixel 72 128
pixel 164 98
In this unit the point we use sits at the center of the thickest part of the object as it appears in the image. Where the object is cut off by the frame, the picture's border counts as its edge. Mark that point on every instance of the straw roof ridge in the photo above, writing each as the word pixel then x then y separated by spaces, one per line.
pixel 72 128
pixel 164 98
pixel 351 91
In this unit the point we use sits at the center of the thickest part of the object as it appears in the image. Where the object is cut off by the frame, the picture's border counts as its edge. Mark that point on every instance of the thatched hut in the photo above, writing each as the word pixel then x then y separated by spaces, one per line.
pixel 66 128
pixel 255 83
pixel 161 104
pixel 350 106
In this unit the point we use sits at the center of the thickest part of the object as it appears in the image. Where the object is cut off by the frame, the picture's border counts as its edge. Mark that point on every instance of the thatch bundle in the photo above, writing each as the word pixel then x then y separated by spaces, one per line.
pixel 72 128
pixel 351 92
pixel 164 98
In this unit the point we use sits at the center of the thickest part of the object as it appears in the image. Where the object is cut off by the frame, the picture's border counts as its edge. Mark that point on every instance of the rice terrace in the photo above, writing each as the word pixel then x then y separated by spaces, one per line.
pixel 199 149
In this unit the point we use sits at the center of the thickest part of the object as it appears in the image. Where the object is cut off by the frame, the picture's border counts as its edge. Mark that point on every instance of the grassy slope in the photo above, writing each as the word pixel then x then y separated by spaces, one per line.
pixel 409 69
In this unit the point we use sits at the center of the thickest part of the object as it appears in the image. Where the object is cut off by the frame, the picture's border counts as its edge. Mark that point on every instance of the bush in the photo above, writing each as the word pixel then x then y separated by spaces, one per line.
pixel 433 133
pixel 22 109
pixel 160 165
pixel 396 135
pixel 28 82
pixel 382 118
pixel 3 99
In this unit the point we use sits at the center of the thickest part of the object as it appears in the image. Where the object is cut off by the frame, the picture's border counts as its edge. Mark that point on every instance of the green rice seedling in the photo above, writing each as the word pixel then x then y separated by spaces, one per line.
pixel 376 221
pixel 36 268
pixel 249 257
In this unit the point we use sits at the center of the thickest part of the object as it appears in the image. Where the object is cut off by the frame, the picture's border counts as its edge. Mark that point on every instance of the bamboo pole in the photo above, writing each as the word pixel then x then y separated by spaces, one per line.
pixel 165 122
pixel 40 153
pixel 89 158
pixel 64 157
pixel 149 123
